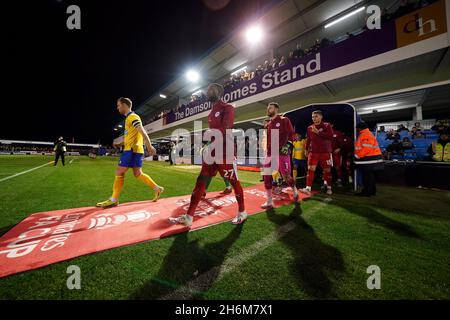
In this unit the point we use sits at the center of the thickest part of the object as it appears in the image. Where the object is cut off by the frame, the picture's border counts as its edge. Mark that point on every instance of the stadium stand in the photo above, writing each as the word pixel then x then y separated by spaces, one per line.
pixel 421 145
pixel 398 9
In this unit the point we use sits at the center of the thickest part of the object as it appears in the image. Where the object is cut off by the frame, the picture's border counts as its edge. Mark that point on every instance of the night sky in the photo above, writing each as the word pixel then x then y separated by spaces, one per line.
pixel 65 82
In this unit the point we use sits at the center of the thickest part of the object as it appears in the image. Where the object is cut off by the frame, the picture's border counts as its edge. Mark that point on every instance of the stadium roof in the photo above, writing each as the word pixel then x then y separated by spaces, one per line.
pixel 282 21
pixel 285 22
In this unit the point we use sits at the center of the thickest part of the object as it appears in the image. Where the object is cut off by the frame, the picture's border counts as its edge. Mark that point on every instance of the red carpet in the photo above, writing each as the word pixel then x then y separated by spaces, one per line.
pixel 49 237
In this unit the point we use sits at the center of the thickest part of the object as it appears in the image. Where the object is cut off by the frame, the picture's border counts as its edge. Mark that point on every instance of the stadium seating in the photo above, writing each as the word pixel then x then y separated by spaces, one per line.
pixel 420 150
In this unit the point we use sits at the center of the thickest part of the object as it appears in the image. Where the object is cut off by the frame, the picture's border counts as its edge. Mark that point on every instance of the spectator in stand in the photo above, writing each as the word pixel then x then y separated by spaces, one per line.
pixel 274 64
pixel 394 148
pixel 290 57
pixel 266 66
pixel 392 135
pixel 245 75
pixel 298 52
pixel 407 144
pixel 402 128
pixel 316 46
pixel 229 83
pixel 325 42
pixel 194 98
pixel 439 127
pixel 259 71
pixel 417 126
pixel 417 134
pixel 381 130
pixel 282 61
pixel 236 80
pixel 440 149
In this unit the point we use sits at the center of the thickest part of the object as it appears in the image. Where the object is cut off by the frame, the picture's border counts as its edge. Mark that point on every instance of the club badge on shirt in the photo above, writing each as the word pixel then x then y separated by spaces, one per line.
pixel 217 114
pixel 278 125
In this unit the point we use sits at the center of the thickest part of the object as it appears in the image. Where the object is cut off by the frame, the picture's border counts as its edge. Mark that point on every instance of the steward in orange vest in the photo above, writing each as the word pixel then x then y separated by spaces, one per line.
pixel 368 158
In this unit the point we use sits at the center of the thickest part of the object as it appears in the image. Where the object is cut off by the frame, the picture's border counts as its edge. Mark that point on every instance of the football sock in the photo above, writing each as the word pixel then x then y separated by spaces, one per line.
pixel 148 181
pixel 197 194
pixel 310 178
pixel 239 193
pixel 117 187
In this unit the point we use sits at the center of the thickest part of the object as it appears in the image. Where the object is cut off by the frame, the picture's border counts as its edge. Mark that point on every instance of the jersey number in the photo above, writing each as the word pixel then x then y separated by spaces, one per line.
pixel 228 174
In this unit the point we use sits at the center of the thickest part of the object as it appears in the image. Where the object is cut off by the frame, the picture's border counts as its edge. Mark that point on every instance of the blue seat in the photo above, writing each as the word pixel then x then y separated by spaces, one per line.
pixel 384 143
pixel 381 135
pixel 421 155
pixel 420 143
pixel 410 155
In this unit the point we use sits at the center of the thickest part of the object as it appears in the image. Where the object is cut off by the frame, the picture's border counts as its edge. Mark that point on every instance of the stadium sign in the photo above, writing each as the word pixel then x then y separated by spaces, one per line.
pixel 410 29
pixel 303 68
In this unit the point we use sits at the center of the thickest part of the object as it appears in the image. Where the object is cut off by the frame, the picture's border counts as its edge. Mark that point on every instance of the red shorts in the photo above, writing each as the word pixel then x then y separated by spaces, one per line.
pixel 324 159
pixel 226 170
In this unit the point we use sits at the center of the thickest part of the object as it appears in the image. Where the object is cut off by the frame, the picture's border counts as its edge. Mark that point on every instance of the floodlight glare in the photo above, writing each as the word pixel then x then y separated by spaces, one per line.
pixel 192 76
pixel 254 34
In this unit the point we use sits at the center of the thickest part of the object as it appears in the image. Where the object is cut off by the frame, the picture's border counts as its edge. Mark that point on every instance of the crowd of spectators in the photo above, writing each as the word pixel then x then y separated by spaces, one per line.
pixel 278 61
pixel 400 143
pixel 13 148
pixel 194 99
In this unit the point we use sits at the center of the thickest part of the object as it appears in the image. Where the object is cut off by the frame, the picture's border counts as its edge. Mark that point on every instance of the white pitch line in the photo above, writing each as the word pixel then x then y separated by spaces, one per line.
pixel 204 281
pixel 71 161
pixel 23 172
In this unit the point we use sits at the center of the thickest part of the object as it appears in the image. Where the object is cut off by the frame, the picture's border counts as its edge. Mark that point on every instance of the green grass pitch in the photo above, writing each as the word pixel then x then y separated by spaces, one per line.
pixel 320 249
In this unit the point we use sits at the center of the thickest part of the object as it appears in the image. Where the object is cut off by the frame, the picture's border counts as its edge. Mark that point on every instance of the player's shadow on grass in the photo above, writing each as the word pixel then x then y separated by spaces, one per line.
pixel 314 260
pixel 373 216
pixel 188 269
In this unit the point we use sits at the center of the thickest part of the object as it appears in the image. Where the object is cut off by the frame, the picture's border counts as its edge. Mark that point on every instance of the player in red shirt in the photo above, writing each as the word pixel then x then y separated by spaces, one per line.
pixel 220 118
pixel 337 145
pixel 348 148
pixel 319 148
pixel 282 154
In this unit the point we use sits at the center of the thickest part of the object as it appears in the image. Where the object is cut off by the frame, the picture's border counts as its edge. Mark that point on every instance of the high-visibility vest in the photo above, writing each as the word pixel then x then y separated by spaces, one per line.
pixel 299 149
pixel 442 153
pixel 366 145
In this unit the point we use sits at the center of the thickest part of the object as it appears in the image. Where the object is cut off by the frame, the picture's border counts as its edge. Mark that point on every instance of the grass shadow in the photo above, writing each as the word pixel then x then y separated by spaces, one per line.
pixel 313 259
pixel 375 217
pixel 187 265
